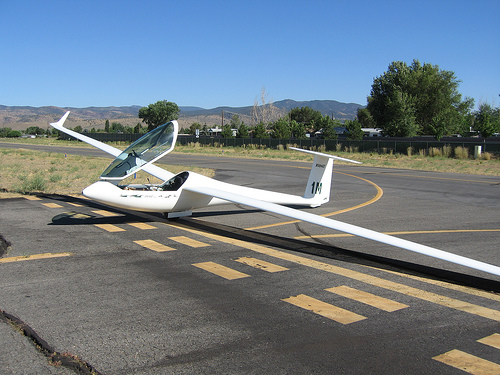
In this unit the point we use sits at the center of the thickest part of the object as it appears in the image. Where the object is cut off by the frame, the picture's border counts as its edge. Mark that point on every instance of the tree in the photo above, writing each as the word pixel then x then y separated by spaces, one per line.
pixel 264 111
pixel 4 132
pixel 77 129
pixel 13 134
pixel 227 131
pixel 365 118
pixel 193 127
pixel 159 113
pixel 243 131
pixel 417 99
pixel 34 130
pixel 354 131
pixel 307 116
pixel 281 129
pixel 106 126
pixel 260 131
pixel 298 129
pixel 402 115
pixel 138 128
pixel 328 126
pixel 116 127
pixel 235 121
pixel 486 120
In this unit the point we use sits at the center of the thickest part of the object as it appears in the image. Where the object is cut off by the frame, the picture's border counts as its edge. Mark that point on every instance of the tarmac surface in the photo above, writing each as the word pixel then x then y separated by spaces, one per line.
pixel 234 290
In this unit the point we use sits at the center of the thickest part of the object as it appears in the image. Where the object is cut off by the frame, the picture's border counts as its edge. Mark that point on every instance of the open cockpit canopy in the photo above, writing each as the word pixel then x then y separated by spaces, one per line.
pixel 147 149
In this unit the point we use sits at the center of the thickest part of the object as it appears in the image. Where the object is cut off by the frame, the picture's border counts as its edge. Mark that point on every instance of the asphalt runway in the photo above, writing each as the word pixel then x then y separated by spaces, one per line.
pixel 235 290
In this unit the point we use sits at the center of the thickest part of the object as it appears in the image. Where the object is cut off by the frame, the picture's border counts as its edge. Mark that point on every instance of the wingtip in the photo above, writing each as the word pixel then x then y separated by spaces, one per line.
pixel 61 120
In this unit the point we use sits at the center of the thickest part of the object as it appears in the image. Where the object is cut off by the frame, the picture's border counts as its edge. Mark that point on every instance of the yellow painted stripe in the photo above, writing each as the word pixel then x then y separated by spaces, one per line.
pixel 76 215
pixel 367 298
pixel 32 198
pixel 35 256
pixel 52 205
pixel 188 241
pixel 468 363
pixel 110 228
pixel 105 213
pixel 220 270
pixel 324 309
pixel 80 196
pixel 404 232
pixel 377 196
pixel 443 284
pixel 153 245
pixel 260 264
pixel 368 279
pixel 75 204
pixel 80 216
pixel 492 340
pixel 142 226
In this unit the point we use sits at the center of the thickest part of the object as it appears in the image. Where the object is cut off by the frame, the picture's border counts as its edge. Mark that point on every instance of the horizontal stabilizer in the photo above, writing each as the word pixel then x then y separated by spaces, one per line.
pixel 315 153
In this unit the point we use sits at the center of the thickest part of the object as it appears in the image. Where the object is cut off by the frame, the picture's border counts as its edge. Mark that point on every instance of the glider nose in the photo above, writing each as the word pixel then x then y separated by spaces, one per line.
pixel 98 190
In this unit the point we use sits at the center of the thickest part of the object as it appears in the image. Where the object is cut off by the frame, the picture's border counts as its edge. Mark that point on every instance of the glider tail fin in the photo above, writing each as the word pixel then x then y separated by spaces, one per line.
pixel 320 178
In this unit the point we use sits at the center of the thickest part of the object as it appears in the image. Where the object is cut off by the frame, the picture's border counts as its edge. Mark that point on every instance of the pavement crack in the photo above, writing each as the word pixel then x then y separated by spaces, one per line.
pixel 65 359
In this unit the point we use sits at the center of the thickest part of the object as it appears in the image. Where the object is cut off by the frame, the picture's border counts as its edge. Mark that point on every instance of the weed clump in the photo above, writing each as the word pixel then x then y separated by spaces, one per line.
pixel 36 183
pixel 461 152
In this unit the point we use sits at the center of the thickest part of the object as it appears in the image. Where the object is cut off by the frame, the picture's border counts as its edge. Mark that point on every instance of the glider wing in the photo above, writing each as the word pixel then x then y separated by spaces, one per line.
pixel 146 165
pixel 347 228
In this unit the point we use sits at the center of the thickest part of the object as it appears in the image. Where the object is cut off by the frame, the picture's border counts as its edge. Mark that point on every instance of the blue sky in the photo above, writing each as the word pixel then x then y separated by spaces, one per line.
pixel 222 53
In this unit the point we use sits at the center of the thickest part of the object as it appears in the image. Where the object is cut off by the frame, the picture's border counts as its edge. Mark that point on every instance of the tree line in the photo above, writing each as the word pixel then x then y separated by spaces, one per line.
pixel 269 123
pixel 405 101
pixel 114 127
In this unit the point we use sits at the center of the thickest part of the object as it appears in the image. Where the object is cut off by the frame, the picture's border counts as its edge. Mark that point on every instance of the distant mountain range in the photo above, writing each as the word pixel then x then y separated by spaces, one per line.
pixel 22 117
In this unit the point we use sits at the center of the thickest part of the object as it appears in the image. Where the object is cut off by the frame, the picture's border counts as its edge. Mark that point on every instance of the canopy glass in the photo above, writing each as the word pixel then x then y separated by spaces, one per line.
pixel 147 149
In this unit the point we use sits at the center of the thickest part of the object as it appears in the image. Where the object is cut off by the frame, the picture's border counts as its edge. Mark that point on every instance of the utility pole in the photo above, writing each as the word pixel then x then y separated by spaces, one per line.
pixel 222 127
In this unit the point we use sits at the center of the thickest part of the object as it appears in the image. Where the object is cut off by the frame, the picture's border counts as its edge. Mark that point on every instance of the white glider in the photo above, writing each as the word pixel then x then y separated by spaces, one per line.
pixel 179 194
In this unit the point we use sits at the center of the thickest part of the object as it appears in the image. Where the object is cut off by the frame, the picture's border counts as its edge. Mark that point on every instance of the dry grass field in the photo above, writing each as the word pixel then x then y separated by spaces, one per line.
pixel 25 171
